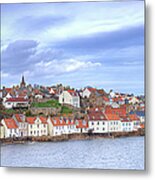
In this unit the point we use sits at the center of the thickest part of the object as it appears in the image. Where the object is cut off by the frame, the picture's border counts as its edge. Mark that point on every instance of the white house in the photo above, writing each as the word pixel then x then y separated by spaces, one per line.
pixel 20 120
pixel 61 125
pixel 70 97
pixel 114 122
pixel 10 128
pixel 87 92
pixel 136 121
pixel 97 122
pixel 126 125
pixel 15 102
pixel 37 126
pixel 82 126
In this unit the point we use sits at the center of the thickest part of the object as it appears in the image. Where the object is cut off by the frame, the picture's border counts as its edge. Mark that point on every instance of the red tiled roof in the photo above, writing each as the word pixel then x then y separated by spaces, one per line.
pixel 10 123
pixel 92 89
pixel 134 117
pixel 31 120
pixel 112 116
pixel 120 111
pixel 81 124
pixel 72 92
pixel 18 117
pixel 96 115
pixel 20 99
pixel 57 121
pixel 8 89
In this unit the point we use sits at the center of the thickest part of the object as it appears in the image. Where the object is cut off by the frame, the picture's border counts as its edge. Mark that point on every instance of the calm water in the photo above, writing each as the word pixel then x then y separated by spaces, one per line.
pixel 121 153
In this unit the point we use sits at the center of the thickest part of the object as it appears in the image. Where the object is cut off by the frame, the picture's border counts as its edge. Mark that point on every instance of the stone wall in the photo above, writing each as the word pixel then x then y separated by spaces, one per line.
pixel 45 111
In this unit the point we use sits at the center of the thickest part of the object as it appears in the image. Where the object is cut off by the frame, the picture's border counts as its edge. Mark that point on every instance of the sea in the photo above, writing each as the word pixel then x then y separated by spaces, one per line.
pixel 119 153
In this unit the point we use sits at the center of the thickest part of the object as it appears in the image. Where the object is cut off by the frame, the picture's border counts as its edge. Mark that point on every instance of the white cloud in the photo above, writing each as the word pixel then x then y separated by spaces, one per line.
pixel 55 67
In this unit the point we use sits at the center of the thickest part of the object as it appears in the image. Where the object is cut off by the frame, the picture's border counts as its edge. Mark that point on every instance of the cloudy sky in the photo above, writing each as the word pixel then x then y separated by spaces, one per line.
pixel 100 44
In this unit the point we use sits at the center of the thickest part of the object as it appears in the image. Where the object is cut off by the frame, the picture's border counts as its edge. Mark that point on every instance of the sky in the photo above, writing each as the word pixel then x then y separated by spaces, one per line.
pixel 99 44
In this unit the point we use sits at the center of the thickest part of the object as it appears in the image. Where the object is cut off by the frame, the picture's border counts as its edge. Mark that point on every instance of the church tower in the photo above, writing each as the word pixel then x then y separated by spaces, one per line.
pixel 22 84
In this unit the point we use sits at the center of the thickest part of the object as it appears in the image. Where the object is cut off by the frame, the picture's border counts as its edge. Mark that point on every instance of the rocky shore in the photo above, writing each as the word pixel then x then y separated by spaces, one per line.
pixel 67 137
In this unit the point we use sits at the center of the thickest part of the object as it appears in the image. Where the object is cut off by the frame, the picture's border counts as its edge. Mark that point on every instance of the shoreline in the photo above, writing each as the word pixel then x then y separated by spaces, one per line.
pixel 68 137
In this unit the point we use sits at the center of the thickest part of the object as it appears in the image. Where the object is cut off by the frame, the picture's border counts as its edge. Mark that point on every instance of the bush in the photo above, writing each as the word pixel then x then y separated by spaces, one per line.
pixel 66 110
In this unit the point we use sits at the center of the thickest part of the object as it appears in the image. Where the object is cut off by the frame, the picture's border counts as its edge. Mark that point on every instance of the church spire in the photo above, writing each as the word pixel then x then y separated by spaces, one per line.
pixel 22 84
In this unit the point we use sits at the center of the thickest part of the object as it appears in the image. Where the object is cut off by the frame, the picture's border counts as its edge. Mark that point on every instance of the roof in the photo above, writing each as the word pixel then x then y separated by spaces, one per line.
pixel 10 123
pixel 133 117
pixel 82 124
pixel 62 121
pixel 20 99
pixel 72 92
pixel 91 89
pixel 112 117
pixel 31 120
pixel 8 89
pixel 19 117
pixel 96 115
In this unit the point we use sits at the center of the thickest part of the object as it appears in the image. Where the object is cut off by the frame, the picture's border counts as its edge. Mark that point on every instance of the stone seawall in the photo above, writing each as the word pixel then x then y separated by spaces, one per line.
pixel 67 137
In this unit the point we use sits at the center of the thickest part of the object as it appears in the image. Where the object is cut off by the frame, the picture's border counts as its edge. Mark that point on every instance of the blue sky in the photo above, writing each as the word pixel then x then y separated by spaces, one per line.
pixel 100 44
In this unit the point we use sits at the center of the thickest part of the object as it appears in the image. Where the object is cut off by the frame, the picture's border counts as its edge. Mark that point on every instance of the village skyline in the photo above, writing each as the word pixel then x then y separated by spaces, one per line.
pixel 68 86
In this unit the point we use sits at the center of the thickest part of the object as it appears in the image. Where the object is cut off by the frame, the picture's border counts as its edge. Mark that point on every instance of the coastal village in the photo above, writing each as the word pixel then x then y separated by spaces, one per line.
pixel 28 111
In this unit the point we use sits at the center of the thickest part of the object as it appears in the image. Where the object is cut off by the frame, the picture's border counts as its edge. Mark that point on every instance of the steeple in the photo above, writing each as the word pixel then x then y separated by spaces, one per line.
pixel 22 84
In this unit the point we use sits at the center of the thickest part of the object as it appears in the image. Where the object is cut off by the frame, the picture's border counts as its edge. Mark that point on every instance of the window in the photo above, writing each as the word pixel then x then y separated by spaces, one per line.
pixel 103 129
pixel 31 132
pixel 38 125
pixel 92 123
pixel 98 123
pixel 103 123
pixel 44 125
pixel 31 125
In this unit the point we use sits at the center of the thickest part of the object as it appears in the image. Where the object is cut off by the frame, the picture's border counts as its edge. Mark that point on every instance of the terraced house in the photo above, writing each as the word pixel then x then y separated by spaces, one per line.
pixel 37 126
pixel 61 125
pixel 114 122
pixel 10 128
pixel 20 120
pixel 97 122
